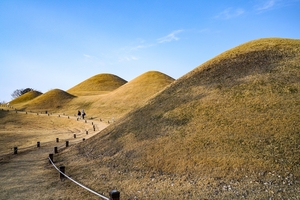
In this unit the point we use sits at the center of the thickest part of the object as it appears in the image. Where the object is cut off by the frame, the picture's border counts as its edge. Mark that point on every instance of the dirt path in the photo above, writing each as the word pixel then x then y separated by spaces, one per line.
pixel 28 174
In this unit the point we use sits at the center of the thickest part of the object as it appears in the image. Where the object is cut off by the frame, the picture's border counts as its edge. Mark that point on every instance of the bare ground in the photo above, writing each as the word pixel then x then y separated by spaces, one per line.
pixel 29 175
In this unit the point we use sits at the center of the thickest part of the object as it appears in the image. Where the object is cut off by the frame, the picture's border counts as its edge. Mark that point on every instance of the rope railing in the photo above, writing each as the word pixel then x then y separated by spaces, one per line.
pixel 92 191
pixel 74 141
pixel 114 194
pixel 23 149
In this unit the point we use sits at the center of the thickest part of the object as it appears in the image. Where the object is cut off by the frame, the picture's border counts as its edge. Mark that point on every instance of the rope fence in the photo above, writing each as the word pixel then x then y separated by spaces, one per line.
pixel 15 149
pixel 114 194
pixel 88 189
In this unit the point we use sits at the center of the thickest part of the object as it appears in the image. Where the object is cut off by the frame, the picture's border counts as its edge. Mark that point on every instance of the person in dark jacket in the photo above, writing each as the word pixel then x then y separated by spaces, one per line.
pixel 79 114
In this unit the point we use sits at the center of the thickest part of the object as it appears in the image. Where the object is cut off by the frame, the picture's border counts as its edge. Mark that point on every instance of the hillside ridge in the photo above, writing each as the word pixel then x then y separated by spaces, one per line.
pixel 228 120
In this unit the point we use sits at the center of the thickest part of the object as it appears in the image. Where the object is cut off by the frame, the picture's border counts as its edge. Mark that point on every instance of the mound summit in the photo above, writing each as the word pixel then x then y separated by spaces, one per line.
pixel 98 84
pixel 26 97
pixel 132 94
pixel 53 100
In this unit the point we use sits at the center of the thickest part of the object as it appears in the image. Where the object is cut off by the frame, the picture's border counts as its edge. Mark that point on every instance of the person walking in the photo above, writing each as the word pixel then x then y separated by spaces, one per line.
pixel 83 114
pixel 79 114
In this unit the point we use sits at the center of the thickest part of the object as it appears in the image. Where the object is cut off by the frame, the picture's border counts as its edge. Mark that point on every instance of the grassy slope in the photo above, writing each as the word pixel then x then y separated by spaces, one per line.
pixel 121 100
pixel 131 95
pixel 24 130
pixel 26 97
pixel 229 127
pixel 52 100
pixel 98 84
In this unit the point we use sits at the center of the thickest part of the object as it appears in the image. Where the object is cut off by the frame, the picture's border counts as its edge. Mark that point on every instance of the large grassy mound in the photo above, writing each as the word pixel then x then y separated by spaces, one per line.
pixel 113 105
pixel 52 100
pixel 26 97
pixel 132 94
pixel 228 129
pixel 98 84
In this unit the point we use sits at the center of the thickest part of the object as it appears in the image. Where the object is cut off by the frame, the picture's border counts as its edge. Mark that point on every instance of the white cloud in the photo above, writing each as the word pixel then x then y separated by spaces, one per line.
pixel 128 58
pixel 230 13
pixel 267 5
pixel 171 37
pixel 142 46
pixel 274 4
pixel 87 56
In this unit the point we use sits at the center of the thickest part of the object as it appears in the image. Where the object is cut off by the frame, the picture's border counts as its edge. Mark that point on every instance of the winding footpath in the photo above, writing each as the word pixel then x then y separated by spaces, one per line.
pixel 28 174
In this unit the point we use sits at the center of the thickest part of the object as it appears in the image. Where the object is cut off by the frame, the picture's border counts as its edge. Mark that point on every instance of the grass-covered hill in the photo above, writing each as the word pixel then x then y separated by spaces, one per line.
pixel 230 128
pixel 98 84
pixel 26 97
pixel 52 100
pixel 130 95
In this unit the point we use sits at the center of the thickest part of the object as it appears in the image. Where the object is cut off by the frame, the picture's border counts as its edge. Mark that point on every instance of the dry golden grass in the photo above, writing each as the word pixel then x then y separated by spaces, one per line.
pixel 24 130
pixel 53 100
pixel 26 97
pixel 228 129
pixel 28 175
pixel 98 84
pixel 130 96
pixel 113 105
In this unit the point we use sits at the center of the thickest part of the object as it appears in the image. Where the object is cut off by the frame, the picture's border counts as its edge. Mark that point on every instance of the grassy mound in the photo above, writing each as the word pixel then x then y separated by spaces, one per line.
pixel 26 97
pixel 98 84
pixel 230 127
pixel 132 94
pixel 52 100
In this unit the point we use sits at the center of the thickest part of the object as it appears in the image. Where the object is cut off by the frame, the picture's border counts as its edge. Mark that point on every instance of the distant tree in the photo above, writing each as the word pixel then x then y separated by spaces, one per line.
pixel 20 92
pixel 26 90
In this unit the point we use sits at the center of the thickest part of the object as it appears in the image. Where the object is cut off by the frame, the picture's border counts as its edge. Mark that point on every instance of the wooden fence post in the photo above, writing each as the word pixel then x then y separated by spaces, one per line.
pixel 62 169
pixel 38 144
pixel 83 139
pixel 87 132
pixel 94 127
pixel 57 139
pixel 15 150
pixel 114 195
pixel 74 135
pixel 51 157
pixel 55 150
pixel 67 143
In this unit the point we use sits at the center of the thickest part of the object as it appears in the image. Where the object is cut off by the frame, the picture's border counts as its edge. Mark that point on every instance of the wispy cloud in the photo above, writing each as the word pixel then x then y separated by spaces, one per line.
pixel 169 38
pixel 230 13
pixel 265 5
pixel 273 4
pixel 87 56
pixel 142 46
pixel 128 58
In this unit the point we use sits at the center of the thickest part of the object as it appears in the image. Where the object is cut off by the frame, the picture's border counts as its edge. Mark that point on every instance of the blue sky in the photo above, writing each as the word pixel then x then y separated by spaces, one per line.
pixel 59 43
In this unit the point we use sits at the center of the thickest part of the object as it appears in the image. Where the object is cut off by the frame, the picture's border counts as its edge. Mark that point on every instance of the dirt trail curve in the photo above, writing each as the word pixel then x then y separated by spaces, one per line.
pixel 28 175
